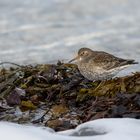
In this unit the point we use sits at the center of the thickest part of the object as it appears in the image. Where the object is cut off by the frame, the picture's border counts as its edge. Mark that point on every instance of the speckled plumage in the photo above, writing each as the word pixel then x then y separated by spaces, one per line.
pixel 98 65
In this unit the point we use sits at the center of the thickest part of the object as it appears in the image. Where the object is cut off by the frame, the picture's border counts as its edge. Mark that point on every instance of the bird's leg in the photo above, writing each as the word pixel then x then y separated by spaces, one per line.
pixel 122 85
pixel 101 83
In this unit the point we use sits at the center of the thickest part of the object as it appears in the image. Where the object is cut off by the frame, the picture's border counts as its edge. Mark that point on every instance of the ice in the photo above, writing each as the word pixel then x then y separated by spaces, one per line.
pixel 101 129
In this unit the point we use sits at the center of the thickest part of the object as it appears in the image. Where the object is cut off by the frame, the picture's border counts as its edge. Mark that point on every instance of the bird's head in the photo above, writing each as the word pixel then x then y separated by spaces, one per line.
pixel 83 54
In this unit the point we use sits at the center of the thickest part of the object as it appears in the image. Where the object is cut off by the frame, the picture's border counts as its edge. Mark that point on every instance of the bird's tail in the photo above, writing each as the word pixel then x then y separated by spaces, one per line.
pixel 124 62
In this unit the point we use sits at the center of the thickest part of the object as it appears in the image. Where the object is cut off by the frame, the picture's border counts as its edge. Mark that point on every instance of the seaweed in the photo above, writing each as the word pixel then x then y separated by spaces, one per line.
pixel 58 96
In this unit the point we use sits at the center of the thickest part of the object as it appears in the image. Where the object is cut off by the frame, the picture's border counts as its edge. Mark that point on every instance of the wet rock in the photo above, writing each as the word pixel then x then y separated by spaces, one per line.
pixel 14 97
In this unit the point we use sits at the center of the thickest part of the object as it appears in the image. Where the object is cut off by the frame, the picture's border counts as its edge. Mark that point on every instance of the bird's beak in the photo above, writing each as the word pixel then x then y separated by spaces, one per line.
pixel 74 59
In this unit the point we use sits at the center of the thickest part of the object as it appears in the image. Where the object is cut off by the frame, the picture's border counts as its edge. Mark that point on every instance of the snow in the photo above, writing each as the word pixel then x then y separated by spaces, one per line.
pixel 101 129
pixel 109 129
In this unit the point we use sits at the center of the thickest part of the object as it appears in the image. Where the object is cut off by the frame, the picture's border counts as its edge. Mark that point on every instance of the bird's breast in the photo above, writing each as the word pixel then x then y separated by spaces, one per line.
pixel 95 73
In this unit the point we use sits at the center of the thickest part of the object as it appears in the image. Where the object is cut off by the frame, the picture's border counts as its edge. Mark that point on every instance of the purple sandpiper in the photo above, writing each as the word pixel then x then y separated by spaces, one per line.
pixel 99 65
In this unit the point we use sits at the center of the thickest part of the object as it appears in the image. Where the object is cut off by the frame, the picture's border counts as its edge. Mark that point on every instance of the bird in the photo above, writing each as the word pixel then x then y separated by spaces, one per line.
pixel 99 65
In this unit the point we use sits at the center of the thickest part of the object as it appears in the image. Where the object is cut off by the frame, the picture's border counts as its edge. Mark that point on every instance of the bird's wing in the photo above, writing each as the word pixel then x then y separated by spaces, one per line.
pixel 108 61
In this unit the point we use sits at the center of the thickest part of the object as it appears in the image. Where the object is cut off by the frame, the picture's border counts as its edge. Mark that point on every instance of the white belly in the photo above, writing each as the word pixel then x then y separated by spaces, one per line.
pixel 98 73
pixel 93 76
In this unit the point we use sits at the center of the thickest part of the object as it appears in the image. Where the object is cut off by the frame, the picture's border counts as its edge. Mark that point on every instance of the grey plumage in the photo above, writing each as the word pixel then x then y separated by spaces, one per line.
pixel 98 65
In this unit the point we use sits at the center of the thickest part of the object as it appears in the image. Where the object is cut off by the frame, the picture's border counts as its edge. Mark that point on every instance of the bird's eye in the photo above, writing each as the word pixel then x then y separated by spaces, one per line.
pixel 84 53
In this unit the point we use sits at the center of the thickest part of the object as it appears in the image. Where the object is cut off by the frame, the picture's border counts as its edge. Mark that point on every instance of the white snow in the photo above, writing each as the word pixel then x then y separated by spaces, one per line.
pixel 101 129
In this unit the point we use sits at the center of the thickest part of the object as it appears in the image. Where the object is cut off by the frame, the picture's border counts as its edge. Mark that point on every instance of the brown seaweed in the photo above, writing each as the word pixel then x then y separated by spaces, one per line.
pixel 58 96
